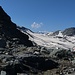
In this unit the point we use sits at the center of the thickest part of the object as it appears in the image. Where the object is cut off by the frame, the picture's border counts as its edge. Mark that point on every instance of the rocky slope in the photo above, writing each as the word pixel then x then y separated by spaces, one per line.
pixel 9 31
pixel 17 53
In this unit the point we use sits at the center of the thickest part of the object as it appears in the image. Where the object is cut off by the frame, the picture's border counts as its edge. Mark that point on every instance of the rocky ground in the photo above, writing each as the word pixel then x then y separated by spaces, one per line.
pixel 31 61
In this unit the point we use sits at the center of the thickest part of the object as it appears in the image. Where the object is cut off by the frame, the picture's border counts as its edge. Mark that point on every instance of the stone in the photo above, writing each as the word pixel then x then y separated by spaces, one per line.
pixel 2 43
pixel 3 72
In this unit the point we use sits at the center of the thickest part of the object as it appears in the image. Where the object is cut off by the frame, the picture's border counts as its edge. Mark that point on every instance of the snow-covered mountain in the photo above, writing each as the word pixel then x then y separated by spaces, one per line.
pixel 58 39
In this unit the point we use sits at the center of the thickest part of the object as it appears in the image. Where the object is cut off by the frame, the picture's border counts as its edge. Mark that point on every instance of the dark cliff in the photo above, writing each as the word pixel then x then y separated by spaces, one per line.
pixel 8 29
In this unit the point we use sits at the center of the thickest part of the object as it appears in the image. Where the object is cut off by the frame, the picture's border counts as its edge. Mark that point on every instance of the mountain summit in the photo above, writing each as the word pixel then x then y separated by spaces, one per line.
pixel 69 31
pixel 9 31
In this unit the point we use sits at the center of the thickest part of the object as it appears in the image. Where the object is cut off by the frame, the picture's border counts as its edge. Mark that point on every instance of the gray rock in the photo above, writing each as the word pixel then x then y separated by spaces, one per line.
pixel 2 43
pixel 3 72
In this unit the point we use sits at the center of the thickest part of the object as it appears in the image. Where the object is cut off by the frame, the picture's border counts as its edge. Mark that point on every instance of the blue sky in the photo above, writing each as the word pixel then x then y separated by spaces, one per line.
pixel 41 15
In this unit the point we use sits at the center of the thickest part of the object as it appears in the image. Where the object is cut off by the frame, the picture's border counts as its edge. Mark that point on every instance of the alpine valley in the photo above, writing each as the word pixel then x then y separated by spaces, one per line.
pixel 24 52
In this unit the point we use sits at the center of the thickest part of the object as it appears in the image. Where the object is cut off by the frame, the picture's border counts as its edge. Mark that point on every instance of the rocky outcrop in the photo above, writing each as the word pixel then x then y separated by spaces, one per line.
pixel 55 33
pixel 29 64
pixel 24 29
pixel 8 30
pixel 69 31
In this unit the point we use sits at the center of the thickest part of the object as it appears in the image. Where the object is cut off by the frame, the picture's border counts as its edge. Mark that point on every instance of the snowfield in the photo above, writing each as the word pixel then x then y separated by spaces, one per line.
pixel 60 41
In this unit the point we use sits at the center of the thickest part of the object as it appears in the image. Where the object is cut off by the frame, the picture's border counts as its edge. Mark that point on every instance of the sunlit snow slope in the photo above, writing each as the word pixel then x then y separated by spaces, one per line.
pixel 52 41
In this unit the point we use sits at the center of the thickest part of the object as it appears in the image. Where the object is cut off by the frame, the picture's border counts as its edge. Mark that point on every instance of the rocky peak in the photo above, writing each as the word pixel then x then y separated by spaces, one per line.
pixel 56 33
pixel 8 30
pixel 69 31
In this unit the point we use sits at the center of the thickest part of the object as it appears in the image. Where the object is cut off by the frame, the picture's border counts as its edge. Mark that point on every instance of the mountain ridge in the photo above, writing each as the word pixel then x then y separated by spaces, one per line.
pixel 9 30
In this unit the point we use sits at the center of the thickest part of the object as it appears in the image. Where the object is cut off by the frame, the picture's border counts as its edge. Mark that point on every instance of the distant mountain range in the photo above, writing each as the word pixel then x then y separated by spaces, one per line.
pixel 67 32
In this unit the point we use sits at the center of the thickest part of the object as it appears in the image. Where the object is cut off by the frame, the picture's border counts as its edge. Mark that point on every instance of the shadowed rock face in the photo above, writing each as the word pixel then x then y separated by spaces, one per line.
pixel 9 30
pixel 69 31
pixel 55 33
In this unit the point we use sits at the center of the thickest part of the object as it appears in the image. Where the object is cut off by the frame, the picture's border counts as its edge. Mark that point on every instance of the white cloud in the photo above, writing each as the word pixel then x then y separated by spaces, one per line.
pixel 36 25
